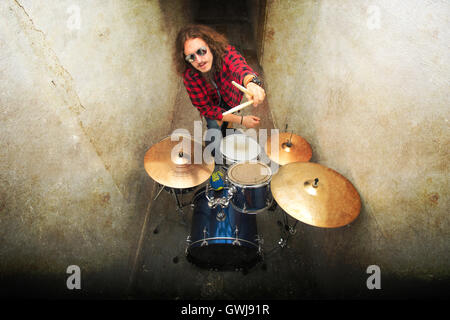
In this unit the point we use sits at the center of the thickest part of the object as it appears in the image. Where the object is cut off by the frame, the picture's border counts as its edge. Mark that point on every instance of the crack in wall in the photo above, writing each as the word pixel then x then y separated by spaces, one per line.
pixel 65 86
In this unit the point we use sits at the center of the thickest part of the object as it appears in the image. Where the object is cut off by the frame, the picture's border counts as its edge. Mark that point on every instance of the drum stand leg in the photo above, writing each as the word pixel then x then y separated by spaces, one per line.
pixel 179 205
pixel 288 227
pixel 288 230
pixel 159 192
pixel 273 206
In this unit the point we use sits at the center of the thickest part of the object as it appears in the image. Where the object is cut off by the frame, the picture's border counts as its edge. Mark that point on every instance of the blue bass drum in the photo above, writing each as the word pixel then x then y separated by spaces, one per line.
pixel 222 238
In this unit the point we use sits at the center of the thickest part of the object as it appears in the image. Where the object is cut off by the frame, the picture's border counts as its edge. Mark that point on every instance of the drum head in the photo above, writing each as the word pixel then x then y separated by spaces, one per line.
pixel 240 147
pixel 249 173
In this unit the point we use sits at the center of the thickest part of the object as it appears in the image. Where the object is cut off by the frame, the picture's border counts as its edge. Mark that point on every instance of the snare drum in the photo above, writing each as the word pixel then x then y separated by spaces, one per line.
pixel 252 183
pixel 220 241
pixel 239 148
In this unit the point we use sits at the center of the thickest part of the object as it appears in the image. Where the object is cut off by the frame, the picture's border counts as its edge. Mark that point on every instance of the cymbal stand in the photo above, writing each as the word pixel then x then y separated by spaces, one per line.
pixel 180 206
pixel 288 230
pixel 159 192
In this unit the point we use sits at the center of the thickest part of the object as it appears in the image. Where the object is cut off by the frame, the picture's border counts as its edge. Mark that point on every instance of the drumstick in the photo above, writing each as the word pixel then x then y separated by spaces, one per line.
pixel 239 107
pixel 244 90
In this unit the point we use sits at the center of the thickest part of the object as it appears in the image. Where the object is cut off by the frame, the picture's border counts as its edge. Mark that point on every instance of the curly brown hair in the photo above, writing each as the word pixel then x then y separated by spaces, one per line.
pixel 217 43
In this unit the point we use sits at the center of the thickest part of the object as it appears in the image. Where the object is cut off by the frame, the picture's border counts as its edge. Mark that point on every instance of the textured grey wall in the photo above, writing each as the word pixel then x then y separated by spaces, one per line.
pixel 86 88
pixel 367 84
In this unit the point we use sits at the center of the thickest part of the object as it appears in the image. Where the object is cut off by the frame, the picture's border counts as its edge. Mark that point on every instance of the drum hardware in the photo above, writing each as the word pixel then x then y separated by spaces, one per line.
pixel 222 202
pixel 282 243
pixel 287 230
pixel 287 227
pixel 273 206
pixel 221 216
pixel 179 203
pixel 188 243
pixel 204 242
pixel 159 192
pixel 260 241
pixel 236 241
pixel 179 206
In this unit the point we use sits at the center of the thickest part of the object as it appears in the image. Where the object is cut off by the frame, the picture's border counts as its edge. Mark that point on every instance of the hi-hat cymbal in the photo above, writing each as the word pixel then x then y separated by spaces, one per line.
pixel 290 147
pixel 173 163
pixel 315 194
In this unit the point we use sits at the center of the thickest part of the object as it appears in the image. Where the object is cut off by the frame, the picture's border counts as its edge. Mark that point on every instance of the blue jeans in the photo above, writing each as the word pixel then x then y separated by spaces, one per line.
pixel 212 124
pixel 215 137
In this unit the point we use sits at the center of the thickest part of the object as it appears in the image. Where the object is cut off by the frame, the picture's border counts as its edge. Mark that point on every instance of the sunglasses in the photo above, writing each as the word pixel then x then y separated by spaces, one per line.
pixel 191 57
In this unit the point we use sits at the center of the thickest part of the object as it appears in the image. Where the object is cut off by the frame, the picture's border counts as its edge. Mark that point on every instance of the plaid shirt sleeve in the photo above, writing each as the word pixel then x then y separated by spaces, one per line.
pixel 237 65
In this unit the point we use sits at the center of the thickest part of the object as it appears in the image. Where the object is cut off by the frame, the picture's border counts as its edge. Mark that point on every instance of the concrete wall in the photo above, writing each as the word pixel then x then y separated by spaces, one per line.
pixel 86 87
pixel 257 13
pixel 367 84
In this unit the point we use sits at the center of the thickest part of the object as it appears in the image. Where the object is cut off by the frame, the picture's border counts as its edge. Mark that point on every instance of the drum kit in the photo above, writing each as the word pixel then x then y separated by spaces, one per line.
pixel 224 231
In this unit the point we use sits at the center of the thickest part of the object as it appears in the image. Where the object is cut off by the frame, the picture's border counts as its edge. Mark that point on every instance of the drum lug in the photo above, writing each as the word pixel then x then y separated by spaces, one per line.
pixel 236 241
pixel 204 242
pixel 231 191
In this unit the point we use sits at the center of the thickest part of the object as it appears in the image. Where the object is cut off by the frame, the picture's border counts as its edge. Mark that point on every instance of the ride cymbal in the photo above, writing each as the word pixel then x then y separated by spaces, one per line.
pixel 315 194
pixel 290 147
pixel 171 163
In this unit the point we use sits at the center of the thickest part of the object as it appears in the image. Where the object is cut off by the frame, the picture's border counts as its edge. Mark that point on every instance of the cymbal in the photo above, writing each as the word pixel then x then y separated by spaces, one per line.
pixel 172 163
pixel 315 195
pixel 291 148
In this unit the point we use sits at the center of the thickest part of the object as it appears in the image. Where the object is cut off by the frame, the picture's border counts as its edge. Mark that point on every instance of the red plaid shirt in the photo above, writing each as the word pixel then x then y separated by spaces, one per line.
pixel 204 96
